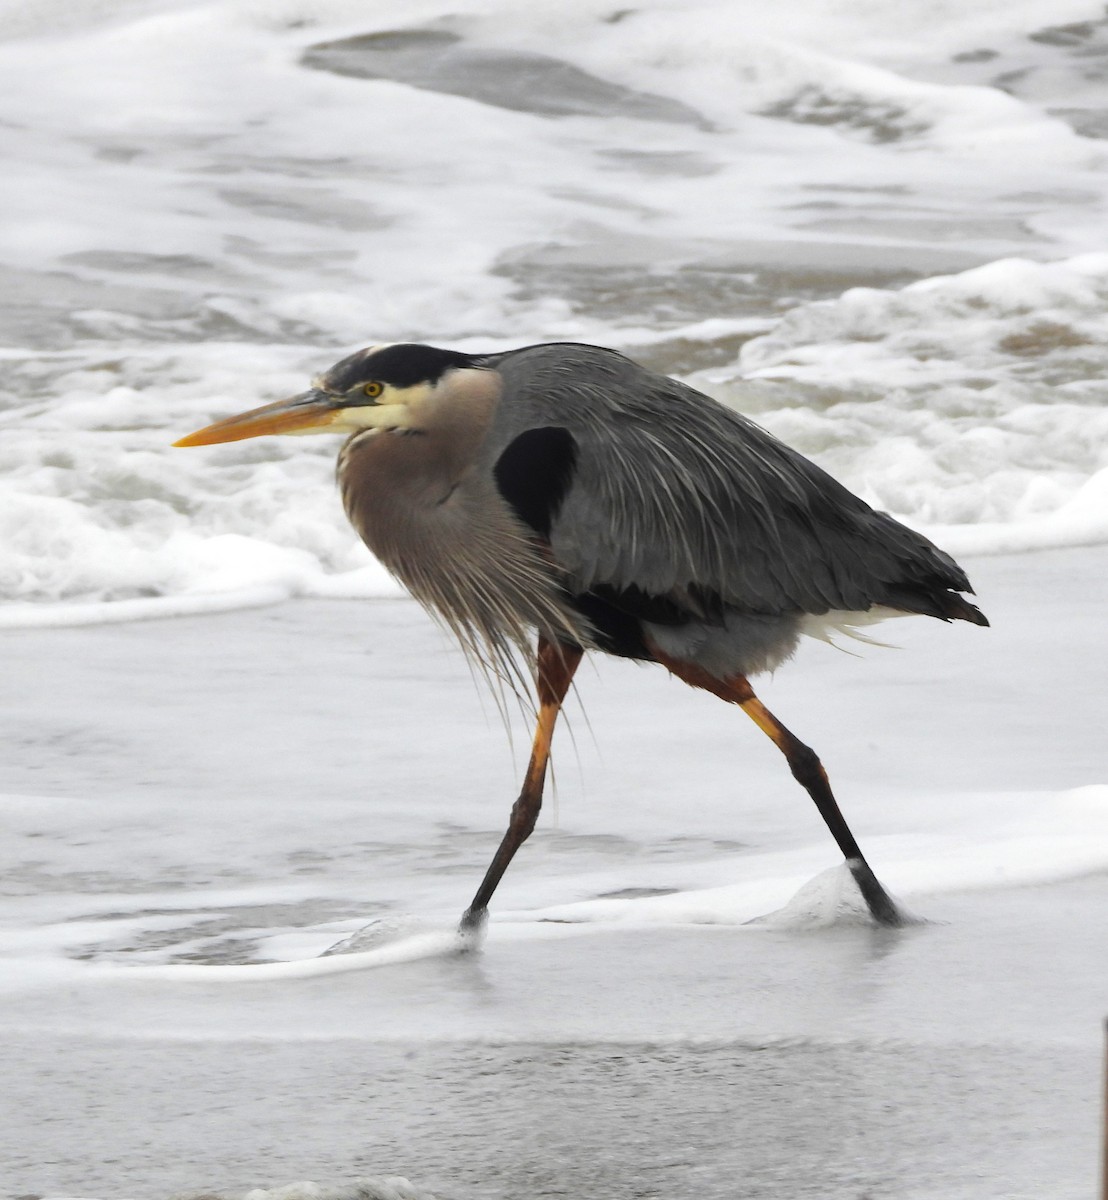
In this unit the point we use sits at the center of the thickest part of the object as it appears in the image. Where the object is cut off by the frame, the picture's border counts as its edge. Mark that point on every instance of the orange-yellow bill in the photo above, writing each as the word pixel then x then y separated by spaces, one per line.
pixel 309 410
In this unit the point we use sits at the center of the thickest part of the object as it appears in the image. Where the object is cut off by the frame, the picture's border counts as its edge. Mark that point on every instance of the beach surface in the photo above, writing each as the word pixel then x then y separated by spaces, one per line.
pixel 200 806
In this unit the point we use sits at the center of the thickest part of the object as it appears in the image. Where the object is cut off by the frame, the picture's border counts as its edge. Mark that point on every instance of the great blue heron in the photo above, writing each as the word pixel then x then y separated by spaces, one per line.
pixel 564 491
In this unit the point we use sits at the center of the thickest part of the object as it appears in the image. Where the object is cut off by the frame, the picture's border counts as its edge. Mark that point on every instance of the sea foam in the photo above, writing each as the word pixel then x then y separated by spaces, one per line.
pixel 211 203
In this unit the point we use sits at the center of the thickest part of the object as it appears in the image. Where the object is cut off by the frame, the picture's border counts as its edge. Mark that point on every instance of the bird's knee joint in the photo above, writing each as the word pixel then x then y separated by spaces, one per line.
pixel 525 814
pixel 804 763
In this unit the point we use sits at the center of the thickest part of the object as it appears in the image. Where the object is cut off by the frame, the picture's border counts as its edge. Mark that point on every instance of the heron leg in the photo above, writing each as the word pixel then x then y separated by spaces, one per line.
pixel 807 770
pixel 556 664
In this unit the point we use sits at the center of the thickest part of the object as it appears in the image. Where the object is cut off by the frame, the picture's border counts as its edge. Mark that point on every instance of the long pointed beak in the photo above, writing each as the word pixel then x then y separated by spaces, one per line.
pixel 309 410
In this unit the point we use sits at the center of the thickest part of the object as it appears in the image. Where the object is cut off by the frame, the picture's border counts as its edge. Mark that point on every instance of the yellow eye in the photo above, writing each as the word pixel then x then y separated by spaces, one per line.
pixel 373 389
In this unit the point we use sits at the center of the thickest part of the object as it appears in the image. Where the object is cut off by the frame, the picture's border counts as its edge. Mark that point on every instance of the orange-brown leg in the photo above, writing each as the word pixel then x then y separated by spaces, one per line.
pixel 556 665
pixel 808 771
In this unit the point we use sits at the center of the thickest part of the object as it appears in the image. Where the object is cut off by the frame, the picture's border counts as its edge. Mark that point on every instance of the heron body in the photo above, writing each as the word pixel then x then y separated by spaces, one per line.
pixel 560 498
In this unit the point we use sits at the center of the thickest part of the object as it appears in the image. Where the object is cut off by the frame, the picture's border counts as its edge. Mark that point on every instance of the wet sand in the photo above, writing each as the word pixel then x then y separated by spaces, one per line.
pixel 196 758
pixel 959 1060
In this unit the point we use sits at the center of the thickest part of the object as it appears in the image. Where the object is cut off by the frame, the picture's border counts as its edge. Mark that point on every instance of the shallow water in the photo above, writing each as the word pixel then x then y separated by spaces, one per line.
pixel 198 807
pixel 198 790
pixel 628 1065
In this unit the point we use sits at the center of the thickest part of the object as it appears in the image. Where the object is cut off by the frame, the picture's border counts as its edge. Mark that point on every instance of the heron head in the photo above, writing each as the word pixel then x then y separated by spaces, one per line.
pixel 377 388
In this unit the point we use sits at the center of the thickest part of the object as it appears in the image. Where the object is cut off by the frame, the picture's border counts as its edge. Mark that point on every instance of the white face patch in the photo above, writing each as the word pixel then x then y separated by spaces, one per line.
pixel 393 412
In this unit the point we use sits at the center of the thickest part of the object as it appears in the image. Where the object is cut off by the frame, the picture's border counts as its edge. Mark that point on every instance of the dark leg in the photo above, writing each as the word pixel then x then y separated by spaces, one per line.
pixel 807 771
pixel 557 664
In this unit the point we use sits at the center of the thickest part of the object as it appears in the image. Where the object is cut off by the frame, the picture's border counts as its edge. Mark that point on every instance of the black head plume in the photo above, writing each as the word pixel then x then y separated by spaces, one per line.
pixel 400 365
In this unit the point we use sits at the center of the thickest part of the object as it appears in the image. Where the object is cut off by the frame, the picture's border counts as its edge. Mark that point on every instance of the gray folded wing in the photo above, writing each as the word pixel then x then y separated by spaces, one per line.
pixel 673 494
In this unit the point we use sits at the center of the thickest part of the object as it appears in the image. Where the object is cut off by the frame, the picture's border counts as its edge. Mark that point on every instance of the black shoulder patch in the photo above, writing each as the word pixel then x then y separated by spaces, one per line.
pixel 534 473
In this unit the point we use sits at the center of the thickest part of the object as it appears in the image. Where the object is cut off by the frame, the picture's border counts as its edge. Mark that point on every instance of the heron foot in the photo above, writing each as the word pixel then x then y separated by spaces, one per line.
pixel 883 908
pixel 473 920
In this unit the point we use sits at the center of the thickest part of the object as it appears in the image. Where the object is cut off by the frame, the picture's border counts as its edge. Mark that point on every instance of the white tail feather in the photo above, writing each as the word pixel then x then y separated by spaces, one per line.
pixel 826 626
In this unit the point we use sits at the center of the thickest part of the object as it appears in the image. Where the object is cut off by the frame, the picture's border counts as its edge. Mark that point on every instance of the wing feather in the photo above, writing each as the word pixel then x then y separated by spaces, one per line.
pixel 672 493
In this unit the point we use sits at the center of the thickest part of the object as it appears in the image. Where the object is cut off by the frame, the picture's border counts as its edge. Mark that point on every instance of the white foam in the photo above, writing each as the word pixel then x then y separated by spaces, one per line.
pixel 948 843
pixel 195 224
pixel 971 405
pixel 391 1187
pixel 432 944
pixel 388 1187
pixel 1043 839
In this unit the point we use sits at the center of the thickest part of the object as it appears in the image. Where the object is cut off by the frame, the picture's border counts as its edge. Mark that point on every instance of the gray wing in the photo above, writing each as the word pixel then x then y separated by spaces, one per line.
pixel 670 494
